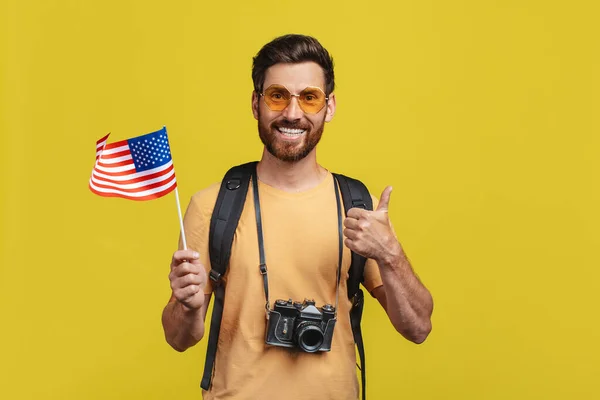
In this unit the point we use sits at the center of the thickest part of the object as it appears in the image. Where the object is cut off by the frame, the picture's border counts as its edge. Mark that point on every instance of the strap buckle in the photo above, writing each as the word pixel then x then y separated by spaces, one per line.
pixel 263 269
pixel 357 299
pixel 233 184
pixel 359 204
pixel 214 276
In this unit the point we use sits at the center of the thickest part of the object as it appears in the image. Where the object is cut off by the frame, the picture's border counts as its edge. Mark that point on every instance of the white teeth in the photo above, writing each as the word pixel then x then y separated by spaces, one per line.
pixel 291 132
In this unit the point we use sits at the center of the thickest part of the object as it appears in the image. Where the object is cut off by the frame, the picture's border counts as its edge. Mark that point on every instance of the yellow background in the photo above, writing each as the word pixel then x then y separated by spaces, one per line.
pixel 482 114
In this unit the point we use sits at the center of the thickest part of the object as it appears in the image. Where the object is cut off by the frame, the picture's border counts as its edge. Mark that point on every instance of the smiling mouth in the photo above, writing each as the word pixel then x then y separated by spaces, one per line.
pixel 291 133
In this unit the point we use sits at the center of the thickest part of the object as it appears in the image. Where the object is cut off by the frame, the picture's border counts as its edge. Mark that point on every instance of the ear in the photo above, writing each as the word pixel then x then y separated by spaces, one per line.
pixel 330 108
pixel 255 104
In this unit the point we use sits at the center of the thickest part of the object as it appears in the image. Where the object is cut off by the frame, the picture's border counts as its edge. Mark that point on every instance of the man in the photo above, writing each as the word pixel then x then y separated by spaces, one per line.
pixel 292 99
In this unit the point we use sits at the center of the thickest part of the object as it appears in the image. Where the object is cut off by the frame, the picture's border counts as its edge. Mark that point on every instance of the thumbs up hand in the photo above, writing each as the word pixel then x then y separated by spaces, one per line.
pixel 369 233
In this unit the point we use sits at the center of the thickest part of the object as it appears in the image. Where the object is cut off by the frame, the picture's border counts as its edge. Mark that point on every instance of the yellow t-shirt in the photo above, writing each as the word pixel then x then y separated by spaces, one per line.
pixel 301 242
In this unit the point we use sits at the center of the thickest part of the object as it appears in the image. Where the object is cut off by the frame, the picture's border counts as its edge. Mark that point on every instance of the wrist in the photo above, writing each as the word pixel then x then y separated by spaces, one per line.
pixel 185 309
pixel 392 257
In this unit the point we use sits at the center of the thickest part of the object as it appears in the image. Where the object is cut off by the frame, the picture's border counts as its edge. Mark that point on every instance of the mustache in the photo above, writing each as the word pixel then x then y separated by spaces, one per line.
pixel 285 123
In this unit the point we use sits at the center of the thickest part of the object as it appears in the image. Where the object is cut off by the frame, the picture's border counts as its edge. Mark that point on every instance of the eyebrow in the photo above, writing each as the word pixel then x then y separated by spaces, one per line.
pixel 309 87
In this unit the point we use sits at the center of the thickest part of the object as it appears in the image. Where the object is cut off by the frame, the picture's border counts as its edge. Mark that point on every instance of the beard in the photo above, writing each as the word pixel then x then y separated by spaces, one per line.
pixel 289 151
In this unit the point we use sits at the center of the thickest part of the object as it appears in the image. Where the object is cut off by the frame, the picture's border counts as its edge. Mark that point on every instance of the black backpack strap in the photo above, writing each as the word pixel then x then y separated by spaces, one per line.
pixel 356 194
pixel 355 318
pixel 223 223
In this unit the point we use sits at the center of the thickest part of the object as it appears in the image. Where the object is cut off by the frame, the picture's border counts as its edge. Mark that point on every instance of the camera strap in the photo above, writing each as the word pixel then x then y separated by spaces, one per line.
pixel 340 244
pixel 261 248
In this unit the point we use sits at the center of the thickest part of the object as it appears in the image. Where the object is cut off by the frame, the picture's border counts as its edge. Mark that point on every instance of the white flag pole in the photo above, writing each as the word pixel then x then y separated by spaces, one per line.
pixel 180 218
pixel 179 211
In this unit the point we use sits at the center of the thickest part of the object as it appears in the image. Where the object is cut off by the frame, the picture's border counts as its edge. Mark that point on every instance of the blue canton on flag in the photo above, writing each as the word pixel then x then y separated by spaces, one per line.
pixel 150 151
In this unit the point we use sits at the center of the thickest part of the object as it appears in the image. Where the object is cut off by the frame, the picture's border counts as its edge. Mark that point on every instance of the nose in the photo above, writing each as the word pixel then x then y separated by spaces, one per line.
pixel 293 111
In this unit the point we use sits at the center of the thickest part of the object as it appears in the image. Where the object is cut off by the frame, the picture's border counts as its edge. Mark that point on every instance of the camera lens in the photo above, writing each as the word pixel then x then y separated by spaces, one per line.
pixel 309 336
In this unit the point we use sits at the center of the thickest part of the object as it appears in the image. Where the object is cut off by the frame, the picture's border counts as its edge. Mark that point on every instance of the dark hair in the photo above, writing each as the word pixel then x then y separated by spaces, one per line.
pixel 292 49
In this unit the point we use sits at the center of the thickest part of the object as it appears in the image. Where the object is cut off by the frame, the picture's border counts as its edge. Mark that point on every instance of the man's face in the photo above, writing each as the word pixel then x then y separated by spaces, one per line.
pixel 292 134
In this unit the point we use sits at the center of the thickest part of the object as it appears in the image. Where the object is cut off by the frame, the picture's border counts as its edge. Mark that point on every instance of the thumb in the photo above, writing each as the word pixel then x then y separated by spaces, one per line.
pixel 384 200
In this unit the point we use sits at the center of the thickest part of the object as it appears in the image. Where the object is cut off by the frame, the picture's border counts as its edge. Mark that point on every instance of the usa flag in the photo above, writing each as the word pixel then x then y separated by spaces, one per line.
pixel 140 168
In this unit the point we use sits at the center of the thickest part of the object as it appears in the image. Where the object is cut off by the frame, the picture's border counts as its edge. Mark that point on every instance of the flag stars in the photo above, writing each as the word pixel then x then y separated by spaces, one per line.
pixel 150 151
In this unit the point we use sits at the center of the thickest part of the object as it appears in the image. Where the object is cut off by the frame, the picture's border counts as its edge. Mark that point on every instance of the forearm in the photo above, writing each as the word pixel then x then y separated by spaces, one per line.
pixel 409 304
pixel 183 327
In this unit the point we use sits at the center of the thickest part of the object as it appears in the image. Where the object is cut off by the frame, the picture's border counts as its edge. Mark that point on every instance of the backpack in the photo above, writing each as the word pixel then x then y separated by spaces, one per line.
pixel 226 214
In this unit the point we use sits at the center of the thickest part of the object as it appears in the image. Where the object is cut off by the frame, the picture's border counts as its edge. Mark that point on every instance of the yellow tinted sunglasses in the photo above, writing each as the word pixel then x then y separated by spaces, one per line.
pixel 311 100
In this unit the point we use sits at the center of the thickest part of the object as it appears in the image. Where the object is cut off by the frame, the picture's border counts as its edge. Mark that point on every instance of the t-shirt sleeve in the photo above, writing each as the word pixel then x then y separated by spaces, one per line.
pixel 196 224
pixel 372 276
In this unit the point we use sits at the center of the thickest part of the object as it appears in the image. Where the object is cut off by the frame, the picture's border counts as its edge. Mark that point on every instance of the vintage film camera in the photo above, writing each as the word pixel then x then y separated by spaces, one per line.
pixel 302 325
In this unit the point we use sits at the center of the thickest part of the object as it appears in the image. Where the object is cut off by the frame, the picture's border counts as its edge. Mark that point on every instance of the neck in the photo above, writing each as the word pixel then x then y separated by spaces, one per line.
pixel 295 176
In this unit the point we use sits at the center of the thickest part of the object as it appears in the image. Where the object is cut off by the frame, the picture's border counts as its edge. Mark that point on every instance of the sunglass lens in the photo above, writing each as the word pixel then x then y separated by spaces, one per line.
pixel 277 97
pixel 312 100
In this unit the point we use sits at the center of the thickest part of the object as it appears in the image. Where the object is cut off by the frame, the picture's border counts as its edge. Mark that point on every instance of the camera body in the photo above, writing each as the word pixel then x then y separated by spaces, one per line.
pixel 302 325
